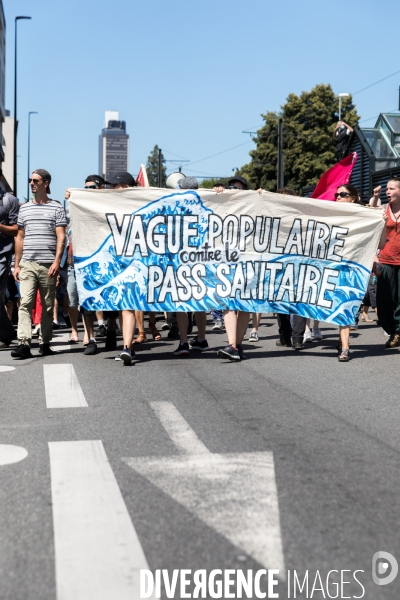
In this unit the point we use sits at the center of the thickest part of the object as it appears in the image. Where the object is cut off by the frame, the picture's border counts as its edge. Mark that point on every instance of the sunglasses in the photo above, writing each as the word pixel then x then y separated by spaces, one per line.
pixel 90 187
pixel 33 180
pixel 235 187
pixel 342 194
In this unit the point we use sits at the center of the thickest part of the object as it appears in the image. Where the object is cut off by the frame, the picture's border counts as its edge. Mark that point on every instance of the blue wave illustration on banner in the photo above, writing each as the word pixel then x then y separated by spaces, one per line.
pixel 110 282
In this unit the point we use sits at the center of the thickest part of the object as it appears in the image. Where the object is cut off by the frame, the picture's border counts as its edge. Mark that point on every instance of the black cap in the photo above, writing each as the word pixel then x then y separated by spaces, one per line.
pixel 97 179
pixel 123 178
pixel 241 180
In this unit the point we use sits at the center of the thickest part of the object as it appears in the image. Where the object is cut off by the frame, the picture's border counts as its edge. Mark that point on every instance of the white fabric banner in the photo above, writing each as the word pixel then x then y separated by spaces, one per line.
pixel 193 250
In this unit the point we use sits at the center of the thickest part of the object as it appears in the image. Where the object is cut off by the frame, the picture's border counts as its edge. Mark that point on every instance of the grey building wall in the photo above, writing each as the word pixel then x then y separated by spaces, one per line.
pixel 113 149
pixel 2 76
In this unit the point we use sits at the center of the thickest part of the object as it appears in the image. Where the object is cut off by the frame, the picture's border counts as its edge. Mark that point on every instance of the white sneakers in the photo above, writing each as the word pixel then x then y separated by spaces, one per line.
pixel 316 333
pixel 307 337
pixel 312 334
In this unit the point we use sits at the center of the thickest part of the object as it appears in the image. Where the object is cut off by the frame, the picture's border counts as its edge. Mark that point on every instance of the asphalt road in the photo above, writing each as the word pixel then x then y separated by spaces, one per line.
pixel 288 460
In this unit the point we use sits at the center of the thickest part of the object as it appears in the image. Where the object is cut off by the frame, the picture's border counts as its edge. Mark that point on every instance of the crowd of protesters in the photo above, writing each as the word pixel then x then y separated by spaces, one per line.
pixel 37 281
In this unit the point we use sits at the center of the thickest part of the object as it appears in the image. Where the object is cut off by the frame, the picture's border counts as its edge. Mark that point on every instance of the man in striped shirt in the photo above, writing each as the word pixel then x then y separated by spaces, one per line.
pixel 39 247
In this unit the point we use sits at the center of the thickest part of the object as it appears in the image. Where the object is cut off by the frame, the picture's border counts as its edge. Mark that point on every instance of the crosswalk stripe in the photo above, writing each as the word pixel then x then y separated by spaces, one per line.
pixel 180 432
pixel 97 551
pixel 62 387
pixel 61 337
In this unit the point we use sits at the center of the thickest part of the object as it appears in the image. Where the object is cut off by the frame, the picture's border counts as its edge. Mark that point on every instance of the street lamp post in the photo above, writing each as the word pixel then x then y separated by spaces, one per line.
pixel 344 95
pixel 15 105
pixel 280 178
pixel 32 112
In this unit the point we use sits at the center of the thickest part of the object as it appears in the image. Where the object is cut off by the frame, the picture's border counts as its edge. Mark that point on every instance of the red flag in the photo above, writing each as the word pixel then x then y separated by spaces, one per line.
pixel 337 175
pixel 142 177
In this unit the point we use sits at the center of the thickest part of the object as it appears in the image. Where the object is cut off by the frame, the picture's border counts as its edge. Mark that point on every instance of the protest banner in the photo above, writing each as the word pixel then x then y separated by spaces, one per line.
pixel 192 250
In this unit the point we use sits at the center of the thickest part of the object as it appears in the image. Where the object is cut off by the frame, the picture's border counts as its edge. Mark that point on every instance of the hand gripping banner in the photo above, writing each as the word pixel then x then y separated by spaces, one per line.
pixel 193 250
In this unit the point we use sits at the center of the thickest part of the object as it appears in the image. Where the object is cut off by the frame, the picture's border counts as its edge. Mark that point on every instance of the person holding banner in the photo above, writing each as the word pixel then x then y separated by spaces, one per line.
pixel 388 283
pixel 199 343
pixel 348 193
pixel 235 323
pixel 291 327
pixel 130 318
pixel 121 181
pixel 92 182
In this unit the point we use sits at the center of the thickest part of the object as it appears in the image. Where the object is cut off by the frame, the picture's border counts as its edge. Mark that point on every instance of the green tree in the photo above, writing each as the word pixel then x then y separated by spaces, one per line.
pixel 308 147
pixel 152 168
pixel 209 183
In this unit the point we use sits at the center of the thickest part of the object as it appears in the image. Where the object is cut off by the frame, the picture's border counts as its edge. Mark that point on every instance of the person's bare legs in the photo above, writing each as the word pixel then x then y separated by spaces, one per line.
pixel 183 322
pixel 230 321
pixel 364 314
pixel 236 327
pixel 344 333
pixel 201 321
pixel 73 317
pixel 307 328
pixel 153 327
pixel 55 309
pixel 243 319
pixel 128 327
pixel 85 332
pixel 139 319
pixel 88 323
pixel 139 316
pixel 255 321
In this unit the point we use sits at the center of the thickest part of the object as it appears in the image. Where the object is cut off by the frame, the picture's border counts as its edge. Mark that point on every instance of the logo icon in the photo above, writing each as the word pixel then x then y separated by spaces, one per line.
pixel 384 568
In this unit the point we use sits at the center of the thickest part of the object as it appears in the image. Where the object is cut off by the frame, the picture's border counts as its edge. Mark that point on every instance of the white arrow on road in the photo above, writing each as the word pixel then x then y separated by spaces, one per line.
pixel 235 494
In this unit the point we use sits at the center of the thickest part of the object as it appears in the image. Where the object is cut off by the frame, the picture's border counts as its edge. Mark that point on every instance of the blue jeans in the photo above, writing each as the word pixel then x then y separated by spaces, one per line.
pixel 72 288
pixel 217 314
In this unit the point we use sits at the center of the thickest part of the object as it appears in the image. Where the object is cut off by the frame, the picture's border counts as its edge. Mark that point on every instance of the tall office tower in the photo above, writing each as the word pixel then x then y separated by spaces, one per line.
pixel 113 146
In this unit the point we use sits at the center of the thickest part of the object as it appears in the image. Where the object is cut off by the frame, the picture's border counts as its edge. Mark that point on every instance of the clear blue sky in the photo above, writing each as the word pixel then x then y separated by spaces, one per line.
pixel 188 75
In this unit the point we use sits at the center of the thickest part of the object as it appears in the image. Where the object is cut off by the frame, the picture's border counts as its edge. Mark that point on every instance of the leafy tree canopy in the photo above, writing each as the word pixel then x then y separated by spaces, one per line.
pixel 152 168
pixel 309 121
pixel 209 183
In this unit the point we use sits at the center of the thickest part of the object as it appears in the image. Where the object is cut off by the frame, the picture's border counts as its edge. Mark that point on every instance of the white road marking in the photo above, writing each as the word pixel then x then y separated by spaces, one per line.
pixel 98 553
pixel 5 369
pixel 11 454
pixel 61 337
pixel 235 494
pixel 62 387
pixel 180 432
